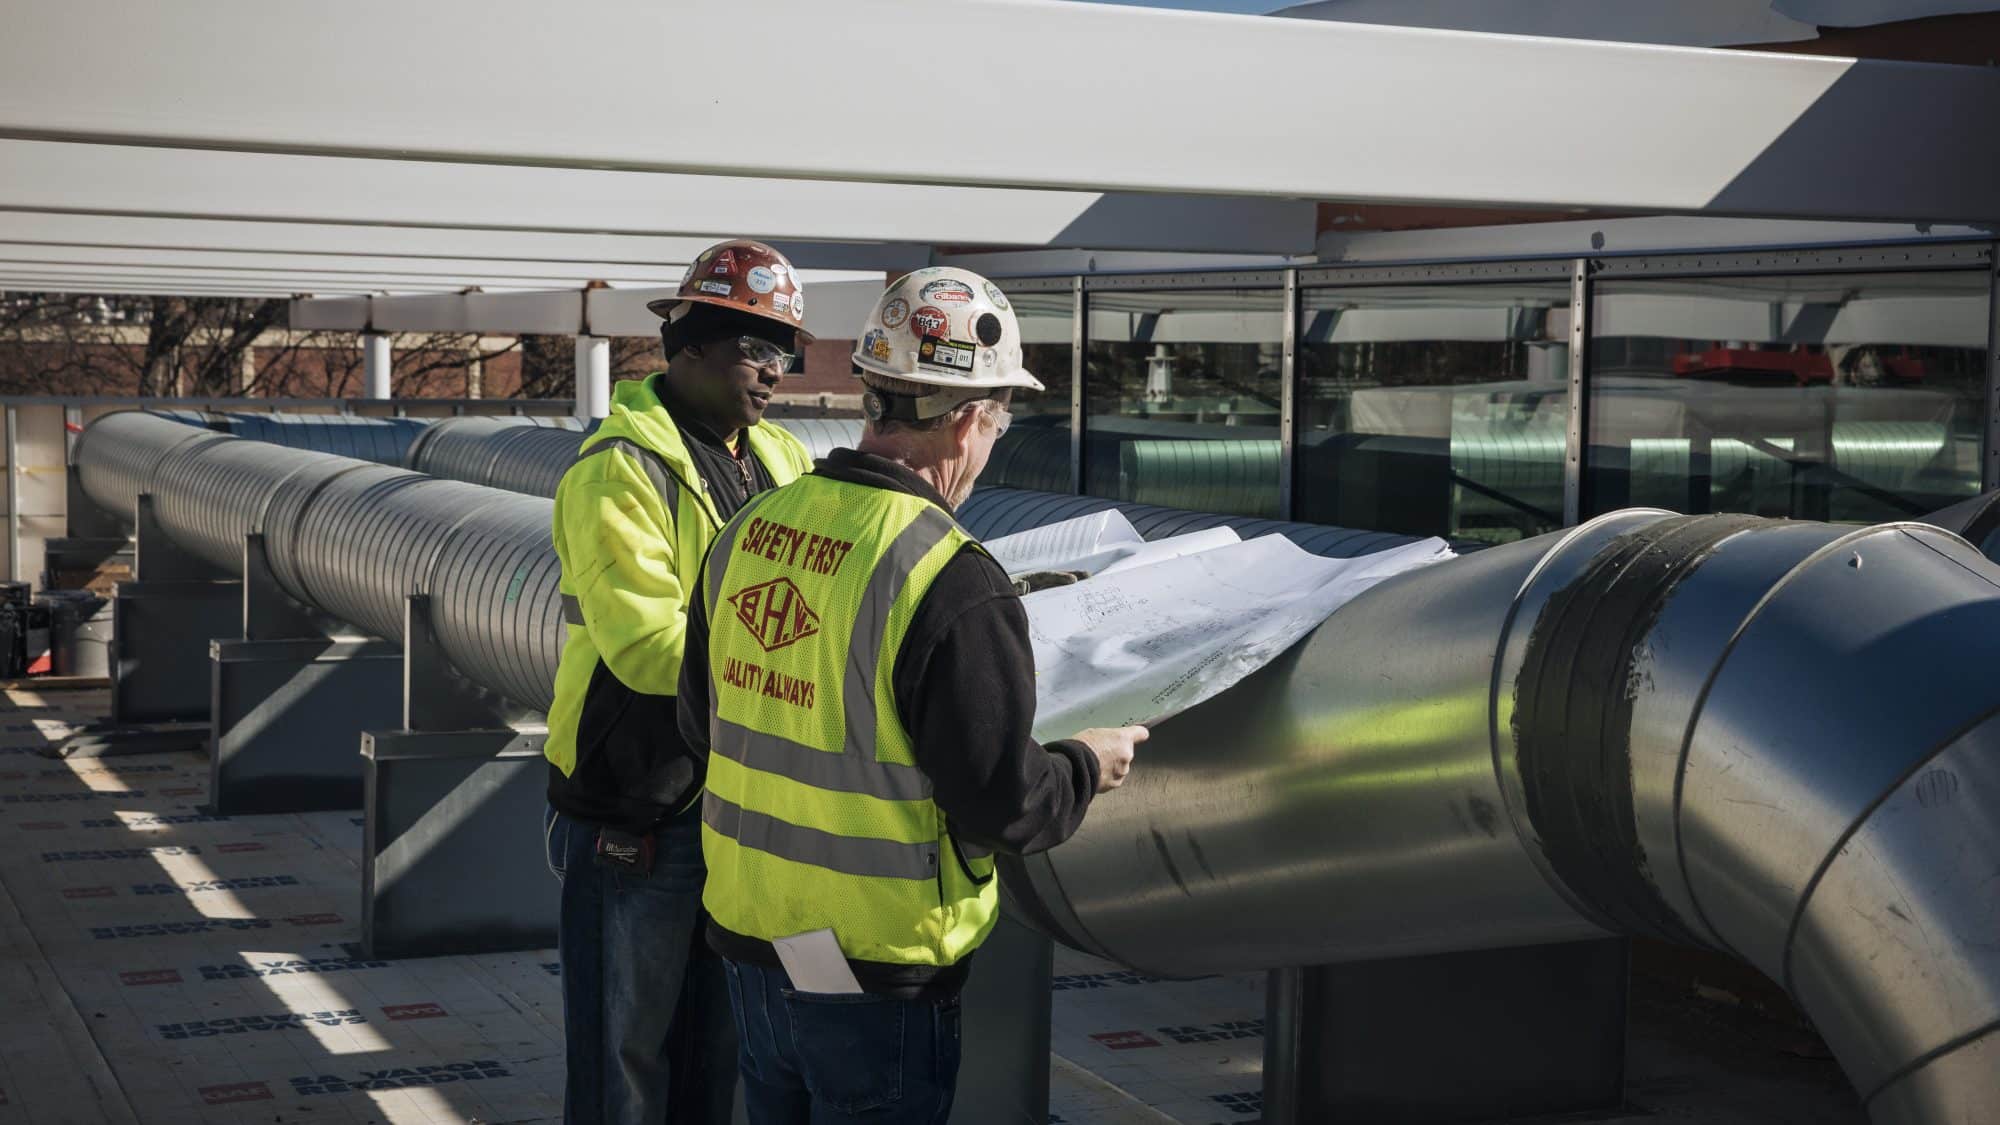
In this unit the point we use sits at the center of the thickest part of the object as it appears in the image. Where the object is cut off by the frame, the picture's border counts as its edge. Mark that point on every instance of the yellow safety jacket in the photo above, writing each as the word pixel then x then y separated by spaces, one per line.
pixel 633 520
pixel 816 814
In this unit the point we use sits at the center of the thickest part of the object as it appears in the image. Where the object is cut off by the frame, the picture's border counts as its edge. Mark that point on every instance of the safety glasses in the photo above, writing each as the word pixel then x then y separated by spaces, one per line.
pixel 763 353
pixel 1002 418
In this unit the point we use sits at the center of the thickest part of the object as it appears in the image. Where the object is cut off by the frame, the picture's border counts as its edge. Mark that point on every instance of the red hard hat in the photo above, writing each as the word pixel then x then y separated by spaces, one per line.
pixel 745 276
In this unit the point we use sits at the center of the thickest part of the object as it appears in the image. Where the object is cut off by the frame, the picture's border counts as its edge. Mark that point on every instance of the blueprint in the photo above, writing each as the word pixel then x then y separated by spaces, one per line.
pixel 1100 543
pixel 1062 546
pixel 1178 622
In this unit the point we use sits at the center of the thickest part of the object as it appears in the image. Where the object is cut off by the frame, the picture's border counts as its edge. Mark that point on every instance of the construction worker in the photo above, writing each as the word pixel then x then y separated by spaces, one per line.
pixel 649 1037
pixel 859 670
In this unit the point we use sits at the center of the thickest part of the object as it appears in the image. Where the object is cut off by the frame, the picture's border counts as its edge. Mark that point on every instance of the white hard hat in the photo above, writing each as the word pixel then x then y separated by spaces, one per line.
pixel 947 328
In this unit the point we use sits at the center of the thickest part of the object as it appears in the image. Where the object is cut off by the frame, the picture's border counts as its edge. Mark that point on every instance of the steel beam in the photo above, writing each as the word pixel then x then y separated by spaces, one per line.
pixel 840 302
pixel 190 183
pixel 419 243
pixel 1729 132
pixel 389 269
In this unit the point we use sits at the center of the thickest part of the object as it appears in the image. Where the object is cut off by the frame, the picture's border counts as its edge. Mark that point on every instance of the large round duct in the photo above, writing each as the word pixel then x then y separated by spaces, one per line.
pixel 1777 739
pixel 508 453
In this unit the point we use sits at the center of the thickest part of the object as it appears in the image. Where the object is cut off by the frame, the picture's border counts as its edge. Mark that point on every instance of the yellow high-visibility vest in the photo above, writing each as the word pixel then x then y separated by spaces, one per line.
pixel 634 492
pixel 816 815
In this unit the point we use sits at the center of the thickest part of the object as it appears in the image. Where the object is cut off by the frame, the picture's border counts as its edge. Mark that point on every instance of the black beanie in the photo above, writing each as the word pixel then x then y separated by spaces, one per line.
pixel 705 324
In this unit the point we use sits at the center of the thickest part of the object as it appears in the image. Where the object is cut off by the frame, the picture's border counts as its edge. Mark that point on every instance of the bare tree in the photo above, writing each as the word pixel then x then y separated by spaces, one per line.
pixel 548 366
pixel 634 357
pixel 548 363
pixel 207 347
pixel 331 365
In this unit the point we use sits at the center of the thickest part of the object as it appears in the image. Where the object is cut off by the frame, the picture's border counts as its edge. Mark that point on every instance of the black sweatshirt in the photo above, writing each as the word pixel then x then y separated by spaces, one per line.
pixel 964 686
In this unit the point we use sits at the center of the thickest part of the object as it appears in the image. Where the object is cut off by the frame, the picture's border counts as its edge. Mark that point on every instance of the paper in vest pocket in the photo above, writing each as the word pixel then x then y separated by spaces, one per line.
pixel 814 962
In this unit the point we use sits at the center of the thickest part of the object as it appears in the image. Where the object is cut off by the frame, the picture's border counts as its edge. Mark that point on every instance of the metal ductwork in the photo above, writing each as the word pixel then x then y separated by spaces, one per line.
pixel 1977 520
pixel 520 457
pixel 1648 725
pixel 1777 739
pixel 382 440
pixel 352 539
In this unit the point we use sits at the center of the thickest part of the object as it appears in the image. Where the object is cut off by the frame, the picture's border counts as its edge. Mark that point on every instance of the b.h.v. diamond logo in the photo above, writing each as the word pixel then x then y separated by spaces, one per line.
pixel 775 613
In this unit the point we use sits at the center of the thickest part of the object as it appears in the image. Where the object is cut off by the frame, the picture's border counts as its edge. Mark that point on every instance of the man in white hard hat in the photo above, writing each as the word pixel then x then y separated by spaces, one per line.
pixel 859 671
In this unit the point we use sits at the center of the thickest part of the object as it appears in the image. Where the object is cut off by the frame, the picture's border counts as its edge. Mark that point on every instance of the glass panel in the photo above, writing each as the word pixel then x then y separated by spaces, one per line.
pixel 1836 396
pixel 1181 391
pixel 1434 410
pixel 1036 451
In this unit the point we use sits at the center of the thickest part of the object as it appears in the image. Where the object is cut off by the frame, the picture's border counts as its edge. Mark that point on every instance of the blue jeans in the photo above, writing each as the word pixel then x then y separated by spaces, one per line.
pixel 813 1059
pixel 645 1009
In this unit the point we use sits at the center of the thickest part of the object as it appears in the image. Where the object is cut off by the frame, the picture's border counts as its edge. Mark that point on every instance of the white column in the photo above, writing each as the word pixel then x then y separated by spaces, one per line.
pixel 593 376
pixel 375 363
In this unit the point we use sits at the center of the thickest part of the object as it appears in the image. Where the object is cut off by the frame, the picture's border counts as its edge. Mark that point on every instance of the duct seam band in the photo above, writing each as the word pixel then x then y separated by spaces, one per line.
pixel 1573 718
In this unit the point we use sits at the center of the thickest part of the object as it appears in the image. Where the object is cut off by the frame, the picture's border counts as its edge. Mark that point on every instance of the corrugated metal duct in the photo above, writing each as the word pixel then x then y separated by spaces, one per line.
pixel 1650 724
pixel 512 454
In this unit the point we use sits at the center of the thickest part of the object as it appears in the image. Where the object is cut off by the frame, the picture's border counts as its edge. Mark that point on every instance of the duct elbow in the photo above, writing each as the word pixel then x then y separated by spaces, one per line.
pixel 1702 752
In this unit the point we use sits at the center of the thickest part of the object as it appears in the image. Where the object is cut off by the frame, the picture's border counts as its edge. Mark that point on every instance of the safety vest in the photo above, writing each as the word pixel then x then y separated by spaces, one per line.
pixel 641 435
pixel 816 815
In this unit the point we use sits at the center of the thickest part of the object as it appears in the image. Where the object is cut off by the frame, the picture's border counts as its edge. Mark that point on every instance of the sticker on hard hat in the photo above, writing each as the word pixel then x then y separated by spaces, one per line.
pixel 928 321
pixel 781 301
pixel 798 306
pixel 993 292
pixel 895 313
pixel 718 288
pixel 762 279
pixel 876 344
pixel 725 264
pixel 947 291
pixel 946 353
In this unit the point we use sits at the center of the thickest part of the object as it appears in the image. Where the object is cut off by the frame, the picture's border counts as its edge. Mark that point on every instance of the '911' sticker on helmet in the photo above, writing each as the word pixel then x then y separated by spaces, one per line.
pixel 946 353
pixel 947 291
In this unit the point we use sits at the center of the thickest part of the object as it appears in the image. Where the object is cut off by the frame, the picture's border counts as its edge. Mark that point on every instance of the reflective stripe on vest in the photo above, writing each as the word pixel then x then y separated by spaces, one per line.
pixel 817 814
pixel 654 466
pixel 849 855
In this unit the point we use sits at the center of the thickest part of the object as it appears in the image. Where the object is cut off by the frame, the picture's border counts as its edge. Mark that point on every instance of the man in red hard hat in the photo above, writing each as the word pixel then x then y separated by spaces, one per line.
pixel 645 1010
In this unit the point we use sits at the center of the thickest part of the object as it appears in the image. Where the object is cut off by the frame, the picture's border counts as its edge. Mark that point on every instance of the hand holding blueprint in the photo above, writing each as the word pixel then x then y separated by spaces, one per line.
pixel 1162 626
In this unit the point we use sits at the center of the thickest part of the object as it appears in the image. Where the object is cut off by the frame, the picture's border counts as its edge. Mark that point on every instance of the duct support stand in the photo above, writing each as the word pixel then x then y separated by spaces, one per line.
pixel 161 624
pixel 285 699
pixel 1004 1014
pixel 1448 1039
pixel 453 805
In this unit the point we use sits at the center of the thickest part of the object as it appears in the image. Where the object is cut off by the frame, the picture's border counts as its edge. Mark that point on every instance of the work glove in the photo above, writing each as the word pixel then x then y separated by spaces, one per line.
pixel 1047 579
